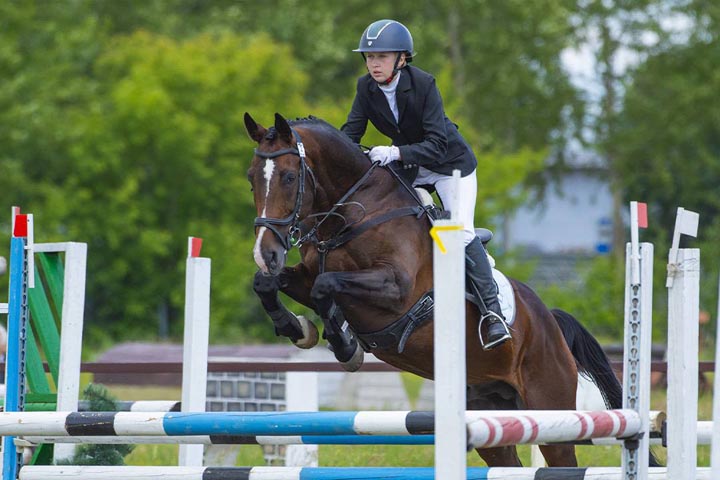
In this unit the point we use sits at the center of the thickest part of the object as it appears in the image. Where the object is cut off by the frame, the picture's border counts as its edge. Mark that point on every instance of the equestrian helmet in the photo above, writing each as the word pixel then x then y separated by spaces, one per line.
pixel 386 36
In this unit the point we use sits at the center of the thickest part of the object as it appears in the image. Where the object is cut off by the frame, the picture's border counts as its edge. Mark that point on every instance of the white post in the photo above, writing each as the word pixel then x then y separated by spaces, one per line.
pixel 715 453
pixel 30 246
pixel 638 351
pixel 195 344
pixel 683 312
pixel 71 331
pixel 449 330
pixel 301 395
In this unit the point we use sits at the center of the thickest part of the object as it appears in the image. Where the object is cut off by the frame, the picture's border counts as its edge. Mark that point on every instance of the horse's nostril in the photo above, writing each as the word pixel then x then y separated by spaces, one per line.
pixel 273 260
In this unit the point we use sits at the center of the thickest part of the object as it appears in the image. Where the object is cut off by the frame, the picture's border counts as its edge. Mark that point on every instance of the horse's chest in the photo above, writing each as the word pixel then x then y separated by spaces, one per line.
pixel 332 261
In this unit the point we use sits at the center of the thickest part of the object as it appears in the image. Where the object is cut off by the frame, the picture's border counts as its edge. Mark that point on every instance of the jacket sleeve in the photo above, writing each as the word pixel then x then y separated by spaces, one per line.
pixel 433 147
pixel 357 119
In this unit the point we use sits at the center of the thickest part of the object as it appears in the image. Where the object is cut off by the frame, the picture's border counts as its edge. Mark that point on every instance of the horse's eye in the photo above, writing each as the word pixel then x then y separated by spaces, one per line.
pixel 289 178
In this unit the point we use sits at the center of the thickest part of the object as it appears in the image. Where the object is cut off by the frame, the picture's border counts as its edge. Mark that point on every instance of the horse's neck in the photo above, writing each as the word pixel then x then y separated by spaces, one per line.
pixel 337 178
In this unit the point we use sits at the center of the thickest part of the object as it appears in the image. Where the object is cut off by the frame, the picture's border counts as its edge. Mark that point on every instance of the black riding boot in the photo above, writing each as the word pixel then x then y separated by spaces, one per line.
pixel 479 272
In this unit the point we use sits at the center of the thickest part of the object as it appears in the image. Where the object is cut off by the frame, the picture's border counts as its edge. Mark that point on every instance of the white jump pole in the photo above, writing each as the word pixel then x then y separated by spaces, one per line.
pixel 195 343
pixel 449 330
pixel 683 282
pixel 715 442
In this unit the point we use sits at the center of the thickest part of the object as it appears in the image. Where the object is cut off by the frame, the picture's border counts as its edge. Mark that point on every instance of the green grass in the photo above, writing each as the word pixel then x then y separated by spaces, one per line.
pixel 385 455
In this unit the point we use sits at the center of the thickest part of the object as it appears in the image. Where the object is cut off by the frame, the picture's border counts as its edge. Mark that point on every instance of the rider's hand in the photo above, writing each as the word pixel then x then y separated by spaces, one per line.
pixel 385 155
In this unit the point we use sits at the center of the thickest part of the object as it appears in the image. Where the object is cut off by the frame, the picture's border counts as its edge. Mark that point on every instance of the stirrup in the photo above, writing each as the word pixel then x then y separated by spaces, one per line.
pixel 490 315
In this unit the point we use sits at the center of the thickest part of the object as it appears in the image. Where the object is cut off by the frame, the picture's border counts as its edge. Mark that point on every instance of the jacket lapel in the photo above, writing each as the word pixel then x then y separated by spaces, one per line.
pixel 403 92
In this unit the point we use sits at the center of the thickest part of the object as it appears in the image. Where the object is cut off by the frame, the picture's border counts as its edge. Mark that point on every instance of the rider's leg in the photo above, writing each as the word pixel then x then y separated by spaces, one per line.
pixel 479 271
pixel 477 265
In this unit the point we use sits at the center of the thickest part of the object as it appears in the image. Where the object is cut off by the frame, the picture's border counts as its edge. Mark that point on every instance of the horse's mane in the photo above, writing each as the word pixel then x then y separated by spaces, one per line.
pixel 320 126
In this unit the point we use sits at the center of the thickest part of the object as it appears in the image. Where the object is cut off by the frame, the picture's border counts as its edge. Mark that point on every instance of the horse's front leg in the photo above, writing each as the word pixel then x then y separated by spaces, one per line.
pixel 292 282
pixel 376 287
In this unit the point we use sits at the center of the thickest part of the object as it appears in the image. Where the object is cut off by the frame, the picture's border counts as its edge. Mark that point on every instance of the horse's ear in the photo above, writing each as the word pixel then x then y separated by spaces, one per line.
pixel 283 128
pixel 255 131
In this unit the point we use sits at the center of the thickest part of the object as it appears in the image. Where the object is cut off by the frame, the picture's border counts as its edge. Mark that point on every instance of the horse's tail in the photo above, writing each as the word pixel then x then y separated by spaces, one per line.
pixel 592 362
pixel 590 357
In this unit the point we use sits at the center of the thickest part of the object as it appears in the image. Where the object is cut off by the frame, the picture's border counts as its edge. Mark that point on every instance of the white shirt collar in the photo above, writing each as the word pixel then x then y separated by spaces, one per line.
pixel 392 86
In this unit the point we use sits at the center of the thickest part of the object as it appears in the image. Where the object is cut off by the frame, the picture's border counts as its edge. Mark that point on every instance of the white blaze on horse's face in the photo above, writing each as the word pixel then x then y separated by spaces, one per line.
pixel 257 254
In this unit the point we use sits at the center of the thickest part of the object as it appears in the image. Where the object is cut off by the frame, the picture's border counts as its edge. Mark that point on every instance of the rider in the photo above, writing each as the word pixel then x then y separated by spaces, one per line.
pixel 404 104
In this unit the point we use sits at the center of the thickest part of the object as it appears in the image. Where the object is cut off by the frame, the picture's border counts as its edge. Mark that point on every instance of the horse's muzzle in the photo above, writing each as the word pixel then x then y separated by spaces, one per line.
pixel 271 260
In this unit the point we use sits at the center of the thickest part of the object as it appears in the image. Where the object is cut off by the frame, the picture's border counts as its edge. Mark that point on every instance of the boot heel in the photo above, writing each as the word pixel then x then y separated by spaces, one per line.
pixel 497 331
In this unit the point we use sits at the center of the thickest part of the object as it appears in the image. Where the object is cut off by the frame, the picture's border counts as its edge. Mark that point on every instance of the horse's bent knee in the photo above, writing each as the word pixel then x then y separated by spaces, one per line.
pixel 323 287
pixel 264 284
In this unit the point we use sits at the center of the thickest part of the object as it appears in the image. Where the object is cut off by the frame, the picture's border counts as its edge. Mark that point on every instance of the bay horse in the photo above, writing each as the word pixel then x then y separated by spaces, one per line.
pixel 366 270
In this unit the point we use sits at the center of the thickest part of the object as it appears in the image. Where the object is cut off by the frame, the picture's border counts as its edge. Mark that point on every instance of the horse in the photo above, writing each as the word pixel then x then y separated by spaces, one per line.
pixel 366 270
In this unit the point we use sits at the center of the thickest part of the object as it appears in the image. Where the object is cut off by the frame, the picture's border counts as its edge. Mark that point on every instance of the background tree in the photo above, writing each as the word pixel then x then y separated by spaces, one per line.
pixel 668 138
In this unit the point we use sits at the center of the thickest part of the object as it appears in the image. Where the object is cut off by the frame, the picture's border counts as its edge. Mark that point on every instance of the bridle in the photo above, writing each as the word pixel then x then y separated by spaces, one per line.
pixel 293 219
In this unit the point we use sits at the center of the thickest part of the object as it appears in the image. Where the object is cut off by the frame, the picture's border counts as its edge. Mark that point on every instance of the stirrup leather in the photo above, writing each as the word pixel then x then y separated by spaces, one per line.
pixel 492 315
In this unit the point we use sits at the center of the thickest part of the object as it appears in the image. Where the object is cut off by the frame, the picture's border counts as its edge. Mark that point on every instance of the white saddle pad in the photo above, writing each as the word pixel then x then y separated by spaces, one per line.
pixel 505 296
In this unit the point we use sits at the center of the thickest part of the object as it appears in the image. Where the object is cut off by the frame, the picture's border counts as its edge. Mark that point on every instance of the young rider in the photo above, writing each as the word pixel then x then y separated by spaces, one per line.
pixel 404 104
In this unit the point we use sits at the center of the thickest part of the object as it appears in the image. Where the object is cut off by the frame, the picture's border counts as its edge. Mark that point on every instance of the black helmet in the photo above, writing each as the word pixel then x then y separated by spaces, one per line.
pixel 386 36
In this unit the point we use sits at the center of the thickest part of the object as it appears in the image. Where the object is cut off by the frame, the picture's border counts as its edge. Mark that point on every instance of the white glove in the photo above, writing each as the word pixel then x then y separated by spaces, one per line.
pixel 385 155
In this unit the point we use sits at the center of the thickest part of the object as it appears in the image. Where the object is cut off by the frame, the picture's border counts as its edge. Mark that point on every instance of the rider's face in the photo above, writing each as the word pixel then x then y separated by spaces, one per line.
pixel 380 64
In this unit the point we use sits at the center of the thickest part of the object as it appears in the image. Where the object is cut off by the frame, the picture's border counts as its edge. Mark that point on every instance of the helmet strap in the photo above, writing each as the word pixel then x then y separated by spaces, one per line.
pixel 394 72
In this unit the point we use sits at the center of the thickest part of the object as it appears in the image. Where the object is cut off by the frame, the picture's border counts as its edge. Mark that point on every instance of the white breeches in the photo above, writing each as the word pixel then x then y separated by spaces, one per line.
pixel 462 201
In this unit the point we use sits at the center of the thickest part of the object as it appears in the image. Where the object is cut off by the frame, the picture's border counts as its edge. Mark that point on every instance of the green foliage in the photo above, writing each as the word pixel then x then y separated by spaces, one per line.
pixel 88 454
pixel 682 137
pixel 501 177
pixel 171 139
pixel 150 149
pixel 596 300
pixel 668 146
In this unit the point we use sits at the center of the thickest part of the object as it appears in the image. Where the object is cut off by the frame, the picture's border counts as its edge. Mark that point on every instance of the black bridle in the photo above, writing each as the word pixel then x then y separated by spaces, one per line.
pixel 293 219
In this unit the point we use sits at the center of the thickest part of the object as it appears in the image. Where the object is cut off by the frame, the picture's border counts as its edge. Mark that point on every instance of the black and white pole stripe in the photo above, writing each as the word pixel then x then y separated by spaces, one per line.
pixel 325 473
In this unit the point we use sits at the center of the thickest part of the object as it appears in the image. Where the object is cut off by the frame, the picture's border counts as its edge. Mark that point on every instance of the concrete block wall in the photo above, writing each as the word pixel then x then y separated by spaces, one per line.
pixel 245 392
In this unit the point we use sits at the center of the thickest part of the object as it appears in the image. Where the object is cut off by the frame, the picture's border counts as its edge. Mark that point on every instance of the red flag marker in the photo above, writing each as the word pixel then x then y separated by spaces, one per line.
pixel 642 215
pixel 195 245
pixel 21 225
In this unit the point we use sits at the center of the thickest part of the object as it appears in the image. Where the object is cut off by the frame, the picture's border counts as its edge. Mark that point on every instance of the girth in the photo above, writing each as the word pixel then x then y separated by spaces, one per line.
pixel 398 332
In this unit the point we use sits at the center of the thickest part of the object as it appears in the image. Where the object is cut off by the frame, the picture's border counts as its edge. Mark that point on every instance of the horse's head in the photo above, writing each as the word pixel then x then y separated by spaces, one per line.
pixel 278 175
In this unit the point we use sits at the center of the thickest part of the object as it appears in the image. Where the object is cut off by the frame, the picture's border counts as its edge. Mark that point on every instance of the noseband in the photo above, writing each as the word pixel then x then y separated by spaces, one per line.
pixel 293 219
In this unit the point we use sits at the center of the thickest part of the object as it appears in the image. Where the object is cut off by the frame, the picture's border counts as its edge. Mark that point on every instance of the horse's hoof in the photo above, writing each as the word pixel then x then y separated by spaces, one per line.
pixel 356 361
pixel 310 334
